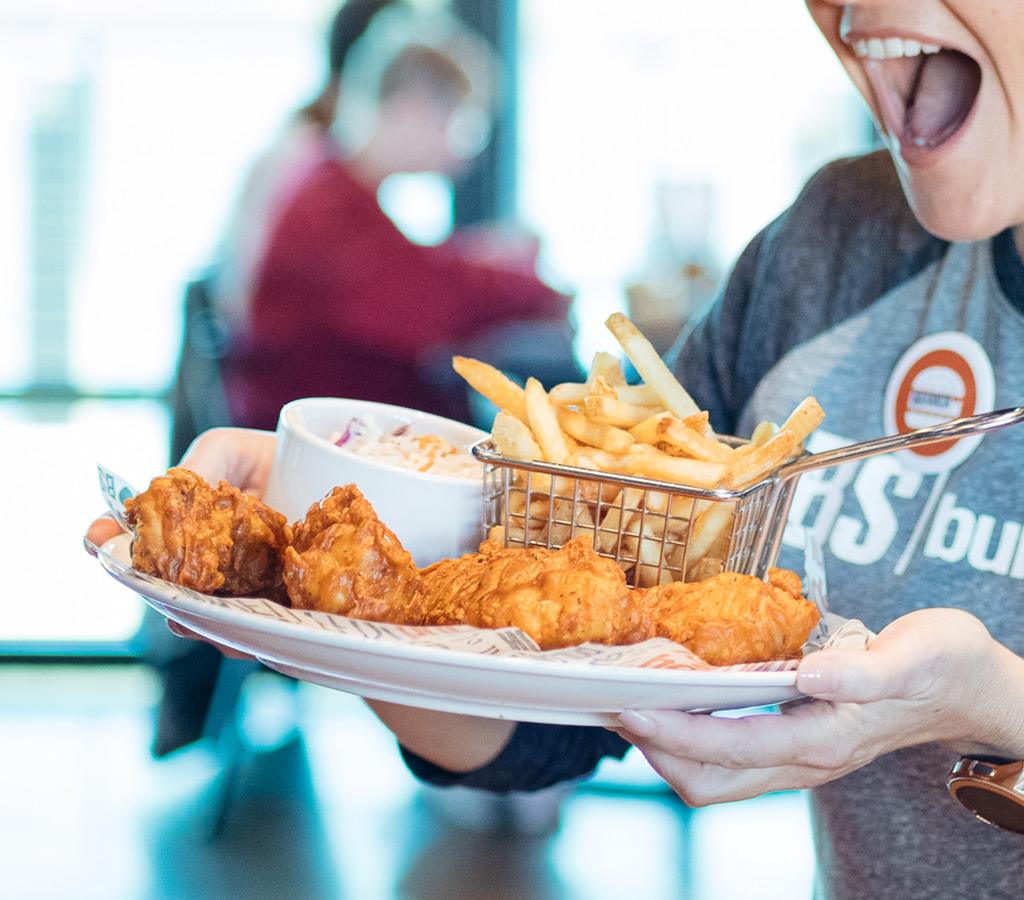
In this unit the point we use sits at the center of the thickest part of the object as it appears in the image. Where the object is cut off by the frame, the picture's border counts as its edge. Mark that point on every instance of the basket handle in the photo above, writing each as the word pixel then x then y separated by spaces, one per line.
pixel 953 430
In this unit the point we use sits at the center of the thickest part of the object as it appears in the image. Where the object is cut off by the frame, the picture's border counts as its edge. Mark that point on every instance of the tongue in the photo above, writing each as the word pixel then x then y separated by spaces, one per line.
pixel 943 95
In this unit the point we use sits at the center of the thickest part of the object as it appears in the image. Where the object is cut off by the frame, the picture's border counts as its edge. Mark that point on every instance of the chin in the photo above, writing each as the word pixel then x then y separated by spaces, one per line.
pixel 950 215
pixel 957 222
pixel 958 229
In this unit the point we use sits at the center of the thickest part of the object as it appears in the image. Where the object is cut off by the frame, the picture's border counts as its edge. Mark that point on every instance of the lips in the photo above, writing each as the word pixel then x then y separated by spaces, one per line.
pixel 927 98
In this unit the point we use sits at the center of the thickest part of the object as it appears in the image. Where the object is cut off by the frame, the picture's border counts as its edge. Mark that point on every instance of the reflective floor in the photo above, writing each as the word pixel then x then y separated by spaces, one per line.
pixel 322 807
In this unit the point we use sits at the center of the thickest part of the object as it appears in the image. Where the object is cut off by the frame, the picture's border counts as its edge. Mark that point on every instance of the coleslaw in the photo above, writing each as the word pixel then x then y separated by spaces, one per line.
pixel 399 446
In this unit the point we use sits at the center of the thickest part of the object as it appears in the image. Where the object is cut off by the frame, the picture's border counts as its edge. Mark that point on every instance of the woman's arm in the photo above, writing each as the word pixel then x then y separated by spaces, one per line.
pixel 454 742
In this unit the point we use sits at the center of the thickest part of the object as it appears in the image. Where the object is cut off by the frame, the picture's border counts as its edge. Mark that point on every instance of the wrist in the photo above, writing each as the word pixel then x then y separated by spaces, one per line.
pixel 1007 696
pixel 996 726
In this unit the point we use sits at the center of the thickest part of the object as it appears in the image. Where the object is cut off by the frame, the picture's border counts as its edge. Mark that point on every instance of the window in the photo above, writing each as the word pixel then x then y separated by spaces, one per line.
pixel 658 136
pixel 124 131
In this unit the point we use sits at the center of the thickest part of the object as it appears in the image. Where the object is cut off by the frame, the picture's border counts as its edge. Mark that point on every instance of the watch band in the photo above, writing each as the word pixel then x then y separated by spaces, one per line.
pixel 992 788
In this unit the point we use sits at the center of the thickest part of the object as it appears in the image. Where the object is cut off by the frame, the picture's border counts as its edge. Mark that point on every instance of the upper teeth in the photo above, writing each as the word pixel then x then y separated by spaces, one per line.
pixel 891 48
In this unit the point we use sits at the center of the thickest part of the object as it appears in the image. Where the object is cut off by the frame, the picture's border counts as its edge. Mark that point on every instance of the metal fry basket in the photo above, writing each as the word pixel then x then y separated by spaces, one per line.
pixel 660 531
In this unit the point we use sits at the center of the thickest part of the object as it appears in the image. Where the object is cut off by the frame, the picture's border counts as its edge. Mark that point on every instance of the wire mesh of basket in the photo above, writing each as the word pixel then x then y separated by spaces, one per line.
pixel 659 531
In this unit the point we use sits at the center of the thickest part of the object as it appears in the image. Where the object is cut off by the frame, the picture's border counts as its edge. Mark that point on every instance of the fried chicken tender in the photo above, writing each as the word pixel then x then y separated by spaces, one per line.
pixel 731 618
pixel 559 598
pixel 344 560
pixel 215 540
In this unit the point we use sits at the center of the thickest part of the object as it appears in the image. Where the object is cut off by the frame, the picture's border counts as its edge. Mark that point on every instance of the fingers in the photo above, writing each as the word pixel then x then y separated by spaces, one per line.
pixel 853 676
pixel 755 741
pixel 183 632
pixel 100 531
pixel 704 783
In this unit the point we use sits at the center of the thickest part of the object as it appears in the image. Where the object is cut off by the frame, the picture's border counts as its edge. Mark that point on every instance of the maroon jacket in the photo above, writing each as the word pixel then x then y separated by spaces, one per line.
pixel 344 305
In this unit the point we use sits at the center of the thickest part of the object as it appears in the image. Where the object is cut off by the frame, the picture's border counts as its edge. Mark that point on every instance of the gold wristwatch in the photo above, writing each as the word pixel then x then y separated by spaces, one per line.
pixel 992 788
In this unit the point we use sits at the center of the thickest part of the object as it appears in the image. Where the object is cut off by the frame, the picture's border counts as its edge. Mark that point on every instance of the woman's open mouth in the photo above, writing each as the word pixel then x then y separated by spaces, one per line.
pixel 925 92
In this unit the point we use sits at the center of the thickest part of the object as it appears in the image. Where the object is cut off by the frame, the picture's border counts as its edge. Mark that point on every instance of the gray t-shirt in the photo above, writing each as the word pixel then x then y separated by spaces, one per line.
pixel 846 298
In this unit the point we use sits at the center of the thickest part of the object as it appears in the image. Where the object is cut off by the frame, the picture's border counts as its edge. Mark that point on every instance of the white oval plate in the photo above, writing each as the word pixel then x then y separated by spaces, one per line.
pixel 308 646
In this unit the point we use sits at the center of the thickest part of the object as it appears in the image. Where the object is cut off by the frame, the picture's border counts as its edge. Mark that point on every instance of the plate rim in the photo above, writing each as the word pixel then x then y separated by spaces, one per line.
pixel 160 594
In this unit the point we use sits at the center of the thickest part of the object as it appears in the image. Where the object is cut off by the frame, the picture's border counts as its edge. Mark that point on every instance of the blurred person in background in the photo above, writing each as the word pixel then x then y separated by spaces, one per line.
pixel 304 141
pixel 216 302
pixel 321 292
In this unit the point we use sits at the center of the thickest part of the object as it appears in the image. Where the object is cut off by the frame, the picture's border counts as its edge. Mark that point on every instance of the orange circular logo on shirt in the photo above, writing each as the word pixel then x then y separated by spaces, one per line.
pixel 940 378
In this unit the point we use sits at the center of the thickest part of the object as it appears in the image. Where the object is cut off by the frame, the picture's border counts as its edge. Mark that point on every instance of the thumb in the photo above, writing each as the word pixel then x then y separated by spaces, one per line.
pixel 847 675
pixel 240 456
pixel 100 531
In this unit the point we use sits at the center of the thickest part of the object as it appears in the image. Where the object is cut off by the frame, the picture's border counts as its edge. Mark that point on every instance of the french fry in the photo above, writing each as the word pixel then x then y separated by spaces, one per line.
pixel 593 458
pixel 711 522
pixel 641 531
pixel 569 520
pixel 650 366
pixel 574 393
pixel 619 511
pixel 752 466
pixel 581 489
pixel 527 524
pixel 598 492
pixel 640 394
pixel 571 393
pixel 720 548
pixel 698 422
pixel 493 384
pixel 647 431
pixel 610 410
pixel 667 429
pixel 607 367
pixel 515 528
pixel 648 462
pixel 540 415
pixel 514 440
pixel 763 433
pixel 645 541
pixel 656 502
pixel 705 568
pixel 596 434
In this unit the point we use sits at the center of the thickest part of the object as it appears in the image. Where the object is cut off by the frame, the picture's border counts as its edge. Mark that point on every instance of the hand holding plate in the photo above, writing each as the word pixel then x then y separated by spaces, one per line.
pixel 928 676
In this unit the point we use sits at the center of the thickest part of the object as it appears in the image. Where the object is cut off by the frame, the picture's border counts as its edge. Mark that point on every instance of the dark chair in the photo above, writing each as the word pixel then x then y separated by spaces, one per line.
pixel 201 687
pixel 198 397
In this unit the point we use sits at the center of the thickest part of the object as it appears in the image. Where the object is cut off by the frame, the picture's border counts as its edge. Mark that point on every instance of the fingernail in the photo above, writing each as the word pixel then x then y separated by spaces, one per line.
pixel 638 723
pixel 818 677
